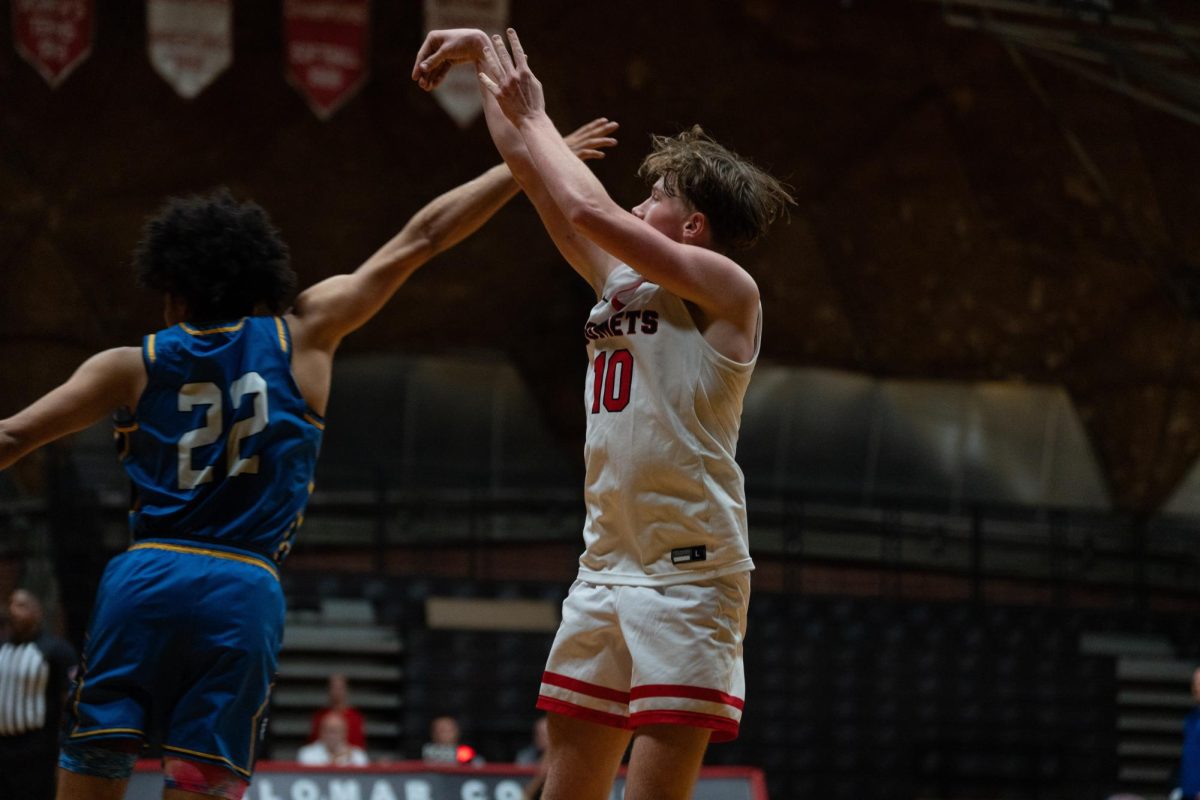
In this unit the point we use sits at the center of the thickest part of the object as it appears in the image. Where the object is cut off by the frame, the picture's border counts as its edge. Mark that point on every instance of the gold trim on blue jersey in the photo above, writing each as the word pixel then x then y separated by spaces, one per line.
pixel 283 345
pixel 104 731
pixel 121 435
pixel 223 329
pixel 150 347
pixel 210 756
pixel 285 544
pixel 203 551
pixel 254 722
pixel 312 420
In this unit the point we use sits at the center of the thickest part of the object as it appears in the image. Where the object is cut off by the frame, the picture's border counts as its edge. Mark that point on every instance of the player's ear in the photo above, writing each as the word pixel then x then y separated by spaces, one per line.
pixel 696 230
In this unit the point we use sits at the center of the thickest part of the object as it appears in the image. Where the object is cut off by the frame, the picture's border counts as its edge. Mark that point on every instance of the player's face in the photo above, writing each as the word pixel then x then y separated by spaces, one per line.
pixel 665 213
pixel 1196 685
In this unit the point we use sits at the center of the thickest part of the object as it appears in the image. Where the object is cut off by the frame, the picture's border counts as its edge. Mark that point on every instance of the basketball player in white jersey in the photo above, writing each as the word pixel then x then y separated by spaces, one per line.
pixel 650 644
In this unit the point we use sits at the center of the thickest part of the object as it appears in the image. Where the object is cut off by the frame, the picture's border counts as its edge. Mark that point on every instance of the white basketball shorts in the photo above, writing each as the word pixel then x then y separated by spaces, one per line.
pixel 628 656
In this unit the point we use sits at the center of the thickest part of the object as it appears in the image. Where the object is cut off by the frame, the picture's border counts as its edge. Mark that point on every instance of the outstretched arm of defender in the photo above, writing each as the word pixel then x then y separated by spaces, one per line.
pixel 705 277
pixel 443 49
pixel 333 308
pixel 102 384
pixel 337 306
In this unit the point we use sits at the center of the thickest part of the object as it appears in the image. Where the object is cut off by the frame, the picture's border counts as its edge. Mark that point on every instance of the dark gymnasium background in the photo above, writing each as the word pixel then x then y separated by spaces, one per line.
pixel 970 445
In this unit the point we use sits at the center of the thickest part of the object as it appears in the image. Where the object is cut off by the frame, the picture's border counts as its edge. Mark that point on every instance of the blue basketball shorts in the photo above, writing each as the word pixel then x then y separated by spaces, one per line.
pixel 182 648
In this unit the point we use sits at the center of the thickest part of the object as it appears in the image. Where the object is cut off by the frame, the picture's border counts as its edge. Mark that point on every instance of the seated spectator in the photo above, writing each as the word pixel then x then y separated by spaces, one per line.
pixel 532 753
pixel 444 747
pixel 333 747
pixel 339 693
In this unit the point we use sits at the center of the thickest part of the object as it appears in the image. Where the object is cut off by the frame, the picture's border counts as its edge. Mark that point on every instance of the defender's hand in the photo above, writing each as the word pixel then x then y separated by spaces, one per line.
pixel 586 140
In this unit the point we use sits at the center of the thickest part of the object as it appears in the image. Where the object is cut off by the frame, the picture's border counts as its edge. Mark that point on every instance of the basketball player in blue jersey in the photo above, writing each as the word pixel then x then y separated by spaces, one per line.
pixel 218 420
pixel 650 646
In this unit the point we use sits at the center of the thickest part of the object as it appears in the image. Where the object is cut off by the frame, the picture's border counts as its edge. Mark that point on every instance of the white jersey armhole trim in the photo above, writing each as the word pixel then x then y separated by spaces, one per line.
pixel 606 289
pixel 721 359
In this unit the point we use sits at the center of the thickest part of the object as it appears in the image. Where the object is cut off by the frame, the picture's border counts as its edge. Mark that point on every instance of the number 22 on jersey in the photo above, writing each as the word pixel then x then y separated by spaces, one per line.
pixel 612 380
pixel 192 395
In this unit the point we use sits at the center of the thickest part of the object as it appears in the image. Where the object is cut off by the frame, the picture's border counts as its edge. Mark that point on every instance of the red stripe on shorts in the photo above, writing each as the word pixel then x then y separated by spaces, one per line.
pixel 579 712
pixel 583 687
pixel 690 692
pixel 723 728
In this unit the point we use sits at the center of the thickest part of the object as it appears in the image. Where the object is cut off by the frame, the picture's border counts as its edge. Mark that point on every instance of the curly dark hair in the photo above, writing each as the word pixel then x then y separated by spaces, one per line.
pixel 739 199
pixel 223 258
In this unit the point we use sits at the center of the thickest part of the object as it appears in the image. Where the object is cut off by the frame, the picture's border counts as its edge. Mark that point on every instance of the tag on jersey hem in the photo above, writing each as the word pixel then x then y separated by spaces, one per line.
pixel 686 555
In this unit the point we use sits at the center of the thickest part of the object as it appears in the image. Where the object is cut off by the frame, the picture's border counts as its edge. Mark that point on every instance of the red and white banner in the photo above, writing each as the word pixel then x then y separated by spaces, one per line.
pixel 54 36
pixel 190 41
pixel 459 93
pixel 327 43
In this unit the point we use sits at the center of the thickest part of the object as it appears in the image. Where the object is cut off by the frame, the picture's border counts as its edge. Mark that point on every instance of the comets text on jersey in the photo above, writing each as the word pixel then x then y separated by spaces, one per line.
pixel 623 323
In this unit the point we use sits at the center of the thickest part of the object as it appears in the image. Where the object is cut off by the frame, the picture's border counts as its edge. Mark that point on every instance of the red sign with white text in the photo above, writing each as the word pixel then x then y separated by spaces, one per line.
pixel 327 50
pixel 54 36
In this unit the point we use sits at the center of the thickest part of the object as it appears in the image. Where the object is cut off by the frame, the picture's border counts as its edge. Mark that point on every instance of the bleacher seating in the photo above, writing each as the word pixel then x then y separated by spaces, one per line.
pixel 845 697
pixel 870 698
pixel 332 634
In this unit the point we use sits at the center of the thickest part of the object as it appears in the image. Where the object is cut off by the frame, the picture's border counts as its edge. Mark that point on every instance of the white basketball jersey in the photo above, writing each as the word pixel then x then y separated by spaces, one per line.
pixel 665 499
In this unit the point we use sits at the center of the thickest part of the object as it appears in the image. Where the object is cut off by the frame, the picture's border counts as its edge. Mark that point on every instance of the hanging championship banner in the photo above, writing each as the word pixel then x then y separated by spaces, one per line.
pixel 54 36
pixel 190 41
pixel 459 93
pixel 326 43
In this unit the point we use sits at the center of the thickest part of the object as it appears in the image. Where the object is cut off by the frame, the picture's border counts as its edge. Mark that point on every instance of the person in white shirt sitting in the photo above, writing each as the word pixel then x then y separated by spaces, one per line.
pixel 333 747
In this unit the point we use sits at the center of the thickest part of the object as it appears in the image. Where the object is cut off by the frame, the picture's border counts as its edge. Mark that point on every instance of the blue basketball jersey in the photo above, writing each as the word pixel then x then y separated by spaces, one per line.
pixel 222 447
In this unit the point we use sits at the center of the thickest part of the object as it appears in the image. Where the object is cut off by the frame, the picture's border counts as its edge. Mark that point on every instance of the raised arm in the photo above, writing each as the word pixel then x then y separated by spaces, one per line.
pixel 710 280
pixel 588 259
pixel 104 383
pixel 337 306
pixel 443 49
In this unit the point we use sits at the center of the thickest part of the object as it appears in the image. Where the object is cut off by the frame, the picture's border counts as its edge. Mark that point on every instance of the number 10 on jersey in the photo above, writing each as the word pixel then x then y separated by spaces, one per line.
pixel 611 380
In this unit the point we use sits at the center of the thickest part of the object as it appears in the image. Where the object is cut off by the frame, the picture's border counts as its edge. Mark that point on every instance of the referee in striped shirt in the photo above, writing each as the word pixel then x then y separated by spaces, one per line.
pixel 34 669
